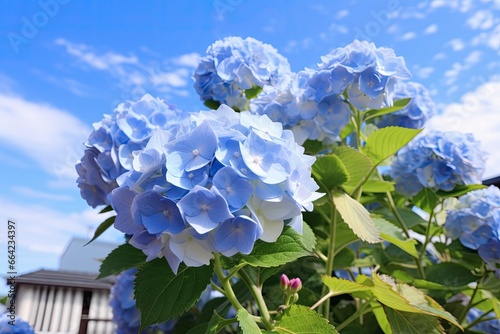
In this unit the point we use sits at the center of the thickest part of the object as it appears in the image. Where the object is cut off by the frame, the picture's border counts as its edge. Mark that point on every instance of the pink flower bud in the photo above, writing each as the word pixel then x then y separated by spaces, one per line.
pixel 295 284
pixel 284 282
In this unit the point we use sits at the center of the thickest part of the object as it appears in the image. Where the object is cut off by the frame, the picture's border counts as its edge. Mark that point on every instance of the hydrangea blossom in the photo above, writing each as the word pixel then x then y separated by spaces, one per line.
pixel 476 221
pixel 312 102
pixel 233 66
pixel 125 315
pixel 416 113
pixel 217 185
pixel 367 72
pixel 438 161
pixel 113 141
pixel 20 326
pixel 489 327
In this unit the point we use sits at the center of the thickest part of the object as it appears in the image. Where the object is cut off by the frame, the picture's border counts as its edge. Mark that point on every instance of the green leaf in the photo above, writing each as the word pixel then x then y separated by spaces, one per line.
pixel 412 323
pixel 425 303
pixel 313 147
pixel 398 105
pixel 253 92
pixel 357 164
pixel 212 104
pixel 102 227
pixel 339 286
pixel 383 322
pixel 107 208
pixel 247 324
pixel 426 200
pixel 216 323
pixel 289 247
pixel 427 285
pixel 460 190
pixel 376 186
pixel 330 172
pixel 393 234
pixel 385 294
pixel 308 237
pixel 346 131
pixel 357 217
pixel 385 142
pixel 449 274
pixel 121 258
pixel 299 319
pixel 161 295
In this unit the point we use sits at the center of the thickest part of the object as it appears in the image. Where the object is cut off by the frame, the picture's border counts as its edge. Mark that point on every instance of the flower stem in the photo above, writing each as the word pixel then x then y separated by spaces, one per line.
pixel 226 283
pixel 469 305
pixel 330 257
pixel 257 295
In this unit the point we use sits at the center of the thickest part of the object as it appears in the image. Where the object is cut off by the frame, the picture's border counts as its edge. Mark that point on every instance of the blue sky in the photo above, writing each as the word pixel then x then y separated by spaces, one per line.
pixel 64 63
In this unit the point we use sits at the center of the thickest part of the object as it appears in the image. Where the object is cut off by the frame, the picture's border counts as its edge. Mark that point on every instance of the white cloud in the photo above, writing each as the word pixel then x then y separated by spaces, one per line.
pixel 456 44
pixel 33 193
pixel 166 76
pixel 424 72
pixel 431 29
pixel 341 14
pixel 473 58
pixel 489 38
pixel 460 5
pixel 452 74
pixel 477 113
pixel 50 136
pixel 482 19
pixel 408 36
pixel 43 233
pixel 438 56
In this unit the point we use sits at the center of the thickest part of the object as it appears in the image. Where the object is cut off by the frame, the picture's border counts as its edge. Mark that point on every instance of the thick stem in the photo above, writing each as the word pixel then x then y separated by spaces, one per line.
pixel 426 242
pixel 319 302
pixel 469 305
pixel 226 283
pixel 330 257
pixel 259 299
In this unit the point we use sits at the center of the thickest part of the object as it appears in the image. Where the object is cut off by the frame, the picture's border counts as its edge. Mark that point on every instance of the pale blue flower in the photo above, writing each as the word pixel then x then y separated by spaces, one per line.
pixel 234 65
pixel 416 113
pixel 491 326
pixel 233 187
pixel 439 161
pixel 18 326
pixel 237 234
pixel 475 220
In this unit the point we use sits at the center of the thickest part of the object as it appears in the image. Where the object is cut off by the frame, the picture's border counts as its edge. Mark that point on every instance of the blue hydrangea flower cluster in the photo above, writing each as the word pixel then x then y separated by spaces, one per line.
pixel 489 326
pixel 125 315
pixel 476 221
pixel 439 161
pixel 111 144
pixel 312 102
pixel 20 326
pixel 217 185
pixel 234 65
pixel 416 113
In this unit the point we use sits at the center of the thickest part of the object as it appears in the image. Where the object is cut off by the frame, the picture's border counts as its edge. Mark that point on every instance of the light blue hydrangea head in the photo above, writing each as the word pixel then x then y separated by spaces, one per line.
pixel 366 72
pixel 439 161
pixel 219 184
pixel 476 221
pixel 234 66
pixel 416 113
pixel 112 143
pixel 491 326
pixel 14 325
pixel 125 315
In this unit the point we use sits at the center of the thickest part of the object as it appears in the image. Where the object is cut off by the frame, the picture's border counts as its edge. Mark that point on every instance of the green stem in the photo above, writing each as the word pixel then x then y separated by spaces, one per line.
pixel 360 312
pixel 226 283
pixel 331 257
pixel 319 302
pixel 426 242
pixel 259 299
pixel 469 305
pixel 481 318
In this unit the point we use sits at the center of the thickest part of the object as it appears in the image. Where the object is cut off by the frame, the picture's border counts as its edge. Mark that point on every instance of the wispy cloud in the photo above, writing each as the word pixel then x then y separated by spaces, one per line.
pixel 482 19
pixel 460 5
pixel 439 56
pixel 489 38
pixel 51 137
pixel 169 76
pixel 431 29
pixel 33 193
pixel 341 14
pixel 423 72
pixel 408 36
pixel 456 44
pixel 476 113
